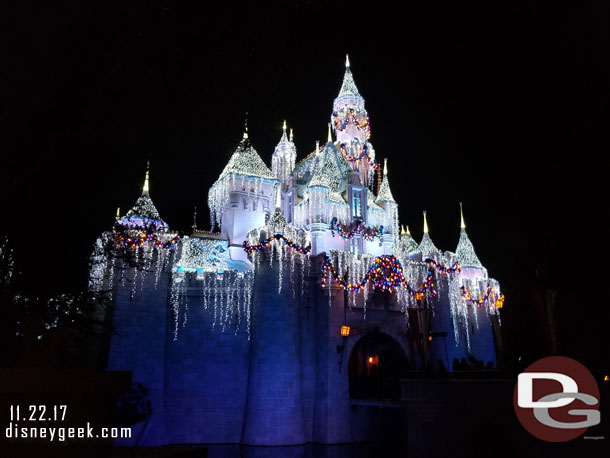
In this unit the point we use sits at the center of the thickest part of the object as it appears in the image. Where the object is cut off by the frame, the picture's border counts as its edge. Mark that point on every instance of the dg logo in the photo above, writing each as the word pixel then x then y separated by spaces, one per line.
pixel 557 399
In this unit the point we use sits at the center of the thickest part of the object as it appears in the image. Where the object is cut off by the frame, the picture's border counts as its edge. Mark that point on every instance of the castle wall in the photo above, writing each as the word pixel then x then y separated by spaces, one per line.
pixel 274 413
pixel 206 375
pixel 137 345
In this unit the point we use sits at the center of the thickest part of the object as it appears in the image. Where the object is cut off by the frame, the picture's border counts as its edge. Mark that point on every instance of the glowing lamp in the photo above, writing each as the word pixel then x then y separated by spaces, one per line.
pixel 606 378
pixel 345 331
pixel 429 338
pixel 370 360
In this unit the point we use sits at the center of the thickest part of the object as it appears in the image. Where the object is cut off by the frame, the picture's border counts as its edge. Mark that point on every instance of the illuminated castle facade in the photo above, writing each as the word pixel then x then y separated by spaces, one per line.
pixel 309 303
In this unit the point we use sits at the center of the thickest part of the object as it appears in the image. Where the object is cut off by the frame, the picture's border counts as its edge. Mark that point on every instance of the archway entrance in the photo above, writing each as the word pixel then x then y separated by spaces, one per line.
pixel 376 365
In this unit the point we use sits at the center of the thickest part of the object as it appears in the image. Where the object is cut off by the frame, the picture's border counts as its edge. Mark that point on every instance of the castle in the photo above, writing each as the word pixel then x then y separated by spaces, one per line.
pixel 296 320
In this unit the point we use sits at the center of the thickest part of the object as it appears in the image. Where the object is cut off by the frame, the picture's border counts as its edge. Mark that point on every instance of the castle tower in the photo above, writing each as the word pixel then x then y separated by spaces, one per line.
pixel 283 160
pixel 242 197
pixel 426 246
pixel 350 123
pixel 386 200
pixel 282 165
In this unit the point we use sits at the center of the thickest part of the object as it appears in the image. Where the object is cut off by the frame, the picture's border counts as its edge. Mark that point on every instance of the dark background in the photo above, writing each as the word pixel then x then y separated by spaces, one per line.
pixel 501 106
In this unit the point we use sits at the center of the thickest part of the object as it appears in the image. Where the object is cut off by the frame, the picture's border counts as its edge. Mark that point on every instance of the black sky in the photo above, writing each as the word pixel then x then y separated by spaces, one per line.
pixel 503 107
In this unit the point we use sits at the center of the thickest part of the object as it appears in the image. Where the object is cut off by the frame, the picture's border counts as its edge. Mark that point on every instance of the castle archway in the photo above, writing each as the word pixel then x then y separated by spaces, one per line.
pixel 376 364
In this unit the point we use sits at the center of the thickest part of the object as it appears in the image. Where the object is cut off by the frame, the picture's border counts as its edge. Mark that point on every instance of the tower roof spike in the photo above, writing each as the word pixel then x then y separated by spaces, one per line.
pixel 408 231
pixel 330 137
pixel 462 223
pixel 346 60
pixel 246 126
pixel 425 222
pixel 146 187
pixel 385 167
pixel 118 213
pixel 291 134
pixel 284 126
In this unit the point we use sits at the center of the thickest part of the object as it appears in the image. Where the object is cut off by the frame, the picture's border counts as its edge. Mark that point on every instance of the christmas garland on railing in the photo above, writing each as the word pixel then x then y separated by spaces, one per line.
pixel 348 232
pixel 386 274
pixel 352 117
pixel 122 235
pixel 364 154
pixel 265 243
pixel 489 293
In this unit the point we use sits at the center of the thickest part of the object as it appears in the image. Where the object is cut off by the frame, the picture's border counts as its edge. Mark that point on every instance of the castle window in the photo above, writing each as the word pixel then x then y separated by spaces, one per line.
pixel 356 208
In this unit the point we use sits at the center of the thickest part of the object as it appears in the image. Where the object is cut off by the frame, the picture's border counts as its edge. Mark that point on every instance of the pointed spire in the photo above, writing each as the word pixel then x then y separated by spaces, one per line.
pixel 462 224
pixel 195 219
pixel 317 146
pixel 330 136
pixel 385 194
pixel 427 247
pixel 465 250
pixel 146 187
pixel 408 231
pixel 284 138
pixel 402 230
pixel 118 213
pixel 291 136
pixel 246 127
pixel 348 87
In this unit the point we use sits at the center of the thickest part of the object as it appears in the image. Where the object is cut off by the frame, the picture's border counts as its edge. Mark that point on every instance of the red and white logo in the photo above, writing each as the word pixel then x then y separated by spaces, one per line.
pixel 557 399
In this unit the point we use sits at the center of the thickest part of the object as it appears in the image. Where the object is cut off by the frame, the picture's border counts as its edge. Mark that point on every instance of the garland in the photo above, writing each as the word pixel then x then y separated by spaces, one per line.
pixel 386 274
pixel 265 243
pixel 122 235
pixel 348 232
pixel 351 117
pixel 489 294
pixel 364 154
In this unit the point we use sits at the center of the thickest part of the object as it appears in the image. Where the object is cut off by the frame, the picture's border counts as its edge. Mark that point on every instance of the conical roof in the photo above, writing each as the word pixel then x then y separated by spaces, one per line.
pixel 143 214
pixel 465 252
pixel 329 170
pixel 246 161
pixel 349 86
pixel 426 246
pixel 385 194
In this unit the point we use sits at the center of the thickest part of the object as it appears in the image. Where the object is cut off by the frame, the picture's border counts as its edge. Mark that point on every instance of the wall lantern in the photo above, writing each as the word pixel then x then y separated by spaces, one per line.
pixel 345 331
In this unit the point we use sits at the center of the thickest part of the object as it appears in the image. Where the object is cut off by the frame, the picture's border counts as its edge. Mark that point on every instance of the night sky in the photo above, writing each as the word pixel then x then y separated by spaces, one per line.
pixel 502 107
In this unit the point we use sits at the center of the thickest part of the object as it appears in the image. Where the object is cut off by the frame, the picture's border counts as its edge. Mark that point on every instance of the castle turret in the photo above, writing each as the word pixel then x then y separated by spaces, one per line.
pixel 386 200
pixel 465 250
pixel 283 159
pixel 426 246
pixel 242 197
pixel 350 122
pixel 143 214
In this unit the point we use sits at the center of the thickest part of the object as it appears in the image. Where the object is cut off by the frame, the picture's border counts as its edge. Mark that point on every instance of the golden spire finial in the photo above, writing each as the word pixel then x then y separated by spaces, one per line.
pixel 462 223
pixel 146 187
pixel 330 136
pixel 425 223
pixel 402 230
pixel 408 231
pixel 291 134
pixel 118 213
pixel 385 167
pixel 284 126
pixel 347 61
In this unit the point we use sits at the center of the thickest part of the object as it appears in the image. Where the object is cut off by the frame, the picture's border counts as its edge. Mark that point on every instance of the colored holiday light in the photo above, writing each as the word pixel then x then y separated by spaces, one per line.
pixel 386 274
pixel 248 248
pixel 348 232
pixel 137 238
pixel 363 154
pixel 351 117
pixel 490 293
